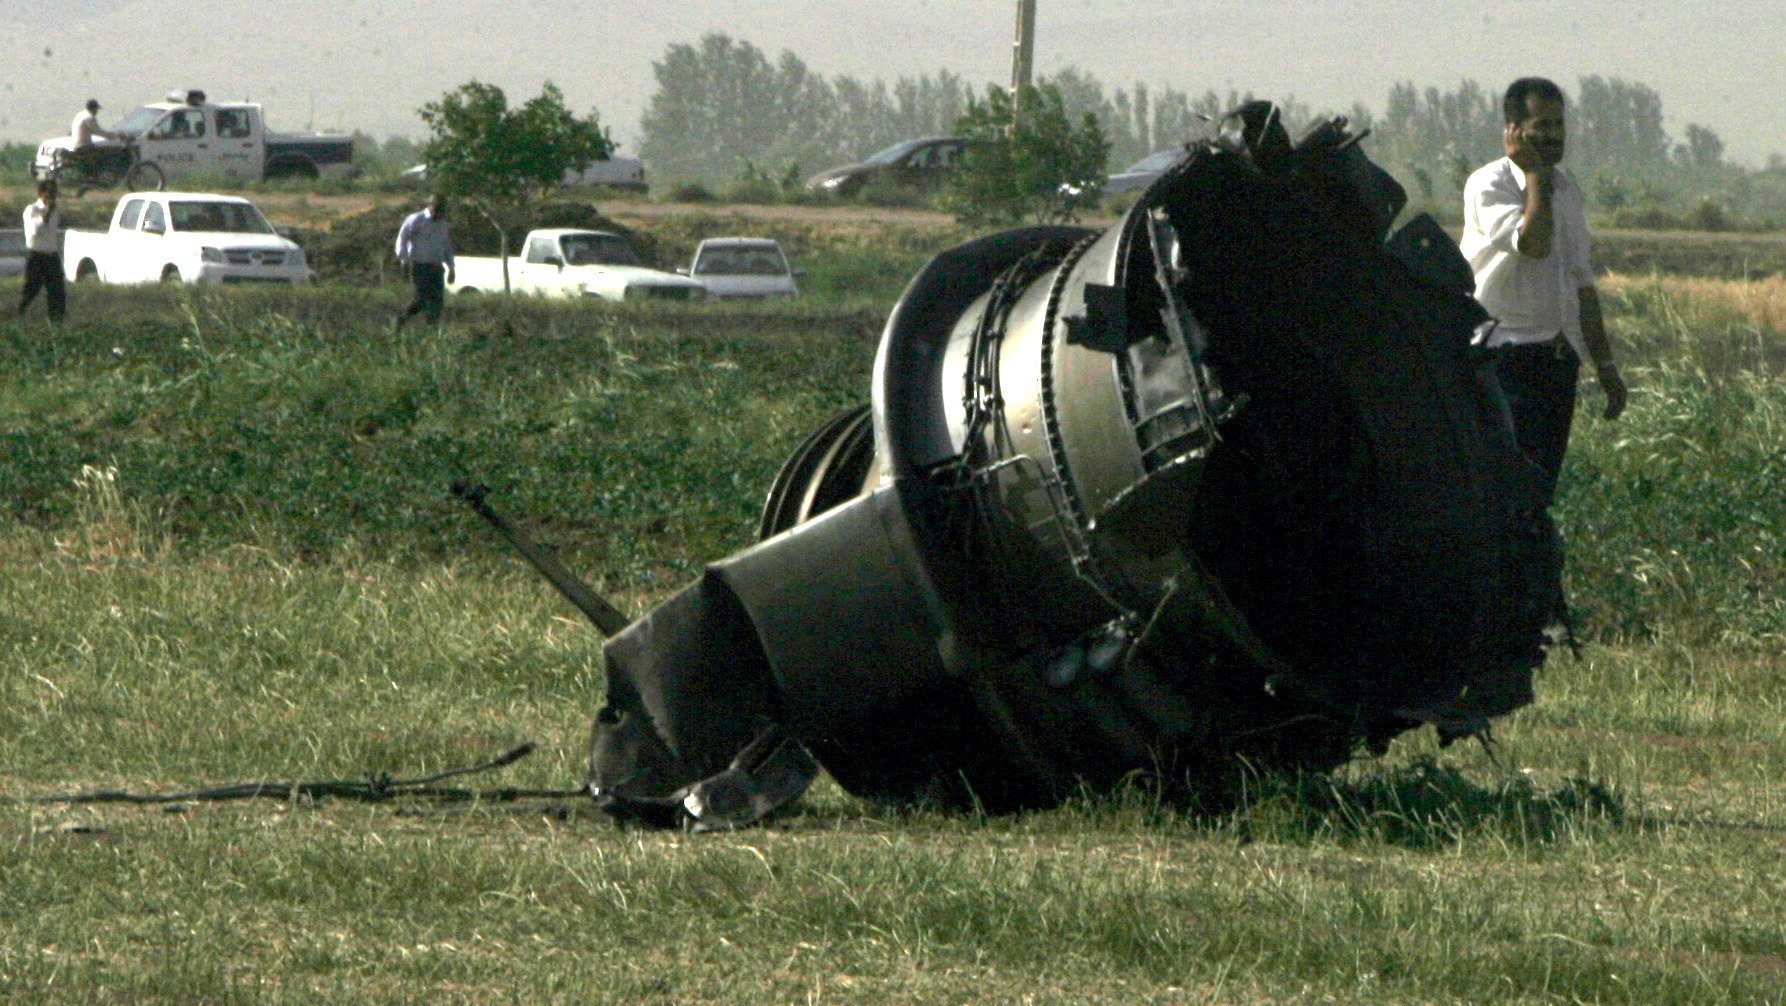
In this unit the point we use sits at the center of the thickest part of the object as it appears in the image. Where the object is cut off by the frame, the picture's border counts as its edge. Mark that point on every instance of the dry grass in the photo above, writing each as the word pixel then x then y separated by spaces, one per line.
pixel 1760 302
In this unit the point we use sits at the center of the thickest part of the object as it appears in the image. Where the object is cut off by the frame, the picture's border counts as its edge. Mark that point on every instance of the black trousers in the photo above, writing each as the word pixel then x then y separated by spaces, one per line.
pixel 1539 380
pixel 43 271
pixel 430 292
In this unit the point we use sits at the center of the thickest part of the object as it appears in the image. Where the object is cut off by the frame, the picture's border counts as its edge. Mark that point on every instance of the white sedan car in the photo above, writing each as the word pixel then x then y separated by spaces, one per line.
pixel 738 268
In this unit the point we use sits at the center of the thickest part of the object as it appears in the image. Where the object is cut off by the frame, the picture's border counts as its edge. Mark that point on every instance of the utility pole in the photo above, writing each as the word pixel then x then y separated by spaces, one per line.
pixel 1023 55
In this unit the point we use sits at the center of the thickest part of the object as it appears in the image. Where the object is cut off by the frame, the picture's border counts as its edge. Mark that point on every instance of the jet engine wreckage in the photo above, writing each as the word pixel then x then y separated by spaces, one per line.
pixel 1224 484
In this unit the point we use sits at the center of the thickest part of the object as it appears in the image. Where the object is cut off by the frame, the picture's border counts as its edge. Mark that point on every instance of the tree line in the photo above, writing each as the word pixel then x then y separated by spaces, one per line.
pixel 723 108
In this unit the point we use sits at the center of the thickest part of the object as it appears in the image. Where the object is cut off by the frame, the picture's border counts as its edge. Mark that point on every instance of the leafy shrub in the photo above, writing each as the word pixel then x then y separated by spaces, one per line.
pixel 1015 168
pixel 757 184
pixel 691 192
pixel 1709 215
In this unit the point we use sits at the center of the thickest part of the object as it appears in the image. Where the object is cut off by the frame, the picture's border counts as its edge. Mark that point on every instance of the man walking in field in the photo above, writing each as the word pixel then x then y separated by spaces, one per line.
pixel 43 253
pixel 425 248
pixel 1526 237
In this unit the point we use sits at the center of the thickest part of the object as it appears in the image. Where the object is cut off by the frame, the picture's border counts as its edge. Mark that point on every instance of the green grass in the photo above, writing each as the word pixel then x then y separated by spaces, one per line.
pixel 1676 513
pixel 226 553
pixel 294 420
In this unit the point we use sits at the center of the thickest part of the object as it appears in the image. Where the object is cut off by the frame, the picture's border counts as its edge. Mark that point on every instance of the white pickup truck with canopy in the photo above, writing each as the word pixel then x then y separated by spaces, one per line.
pixel 187 134
pixel 569 262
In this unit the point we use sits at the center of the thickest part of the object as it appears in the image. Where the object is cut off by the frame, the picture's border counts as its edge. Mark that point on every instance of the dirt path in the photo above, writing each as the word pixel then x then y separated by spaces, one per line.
pixel 638 209
pixel 314 208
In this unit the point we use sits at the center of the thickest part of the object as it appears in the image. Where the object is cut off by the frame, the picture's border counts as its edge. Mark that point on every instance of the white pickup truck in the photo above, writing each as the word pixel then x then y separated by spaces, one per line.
pixel 187 134
pixel 565 262
pixel 184 237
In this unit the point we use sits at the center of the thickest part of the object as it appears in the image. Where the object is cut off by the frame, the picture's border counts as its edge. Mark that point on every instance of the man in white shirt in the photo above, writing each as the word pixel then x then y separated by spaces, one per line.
pixel 43 253
pixel 425 247
pixel 1526 238
pixel 84 131
pixel 86 126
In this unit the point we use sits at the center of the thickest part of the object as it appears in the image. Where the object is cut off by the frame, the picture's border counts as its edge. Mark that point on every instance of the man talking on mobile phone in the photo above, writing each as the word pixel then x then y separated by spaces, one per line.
pixel 1526 238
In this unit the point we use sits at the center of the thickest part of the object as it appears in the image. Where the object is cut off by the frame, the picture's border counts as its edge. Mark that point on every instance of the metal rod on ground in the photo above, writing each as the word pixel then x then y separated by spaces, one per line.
pixel 608 619
pixel 376 787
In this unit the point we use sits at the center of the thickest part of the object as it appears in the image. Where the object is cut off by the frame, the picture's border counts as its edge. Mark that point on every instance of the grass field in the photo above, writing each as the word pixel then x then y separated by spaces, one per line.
pixel 226 553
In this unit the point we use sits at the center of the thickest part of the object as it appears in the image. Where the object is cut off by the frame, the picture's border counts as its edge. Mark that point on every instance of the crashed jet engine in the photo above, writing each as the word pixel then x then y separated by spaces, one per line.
pixel 1223 484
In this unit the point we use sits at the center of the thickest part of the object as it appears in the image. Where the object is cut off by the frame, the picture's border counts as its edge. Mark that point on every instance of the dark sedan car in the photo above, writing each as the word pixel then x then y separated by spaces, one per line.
pixel 1144 172
pixel 1133 178
pixel 918 163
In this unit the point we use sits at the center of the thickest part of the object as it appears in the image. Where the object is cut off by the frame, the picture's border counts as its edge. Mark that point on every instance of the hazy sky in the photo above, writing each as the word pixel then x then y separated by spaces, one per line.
pixel 368 64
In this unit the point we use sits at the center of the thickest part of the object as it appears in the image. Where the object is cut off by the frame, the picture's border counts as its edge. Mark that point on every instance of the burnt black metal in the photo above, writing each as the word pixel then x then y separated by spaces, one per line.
pixel 1221 485
pixel 826 469
pixel 606 618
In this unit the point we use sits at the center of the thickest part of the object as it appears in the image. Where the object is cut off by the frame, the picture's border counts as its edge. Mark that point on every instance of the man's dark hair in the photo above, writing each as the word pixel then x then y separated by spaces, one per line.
pixel 1513 106
pixel 46 187
pixel 92 104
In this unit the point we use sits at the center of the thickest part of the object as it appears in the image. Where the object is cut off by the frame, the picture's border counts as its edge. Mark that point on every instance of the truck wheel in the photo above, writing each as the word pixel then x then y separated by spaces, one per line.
pixel 145 178
pixel 171 274
pixel 292 167
pixel 86 272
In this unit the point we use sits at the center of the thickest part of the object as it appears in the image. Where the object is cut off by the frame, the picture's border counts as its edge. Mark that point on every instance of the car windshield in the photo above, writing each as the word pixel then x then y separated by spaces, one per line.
pixel 598 249
pixel 893 153
pixel 1157 161
pixel 140 120
pixel 218 217
pixel 741 260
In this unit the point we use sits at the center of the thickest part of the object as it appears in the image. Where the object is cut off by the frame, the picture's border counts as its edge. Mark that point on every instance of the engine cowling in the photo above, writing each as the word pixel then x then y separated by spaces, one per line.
pixel 1222 483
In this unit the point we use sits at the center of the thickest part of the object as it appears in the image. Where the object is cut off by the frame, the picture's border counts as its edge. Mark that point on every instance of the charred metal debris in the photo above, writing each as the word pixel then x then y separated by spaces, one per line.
pixel 1222 484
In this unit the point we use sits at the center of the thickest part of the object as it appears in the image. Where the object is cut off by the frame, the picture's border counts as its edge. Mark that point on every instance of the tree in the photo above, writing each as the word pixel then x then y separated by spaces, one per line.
pixel 1013 171
pixel 1437 137
pixel 501 161
pixel 1702 148
pixel 723 102
pixel 1617 123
